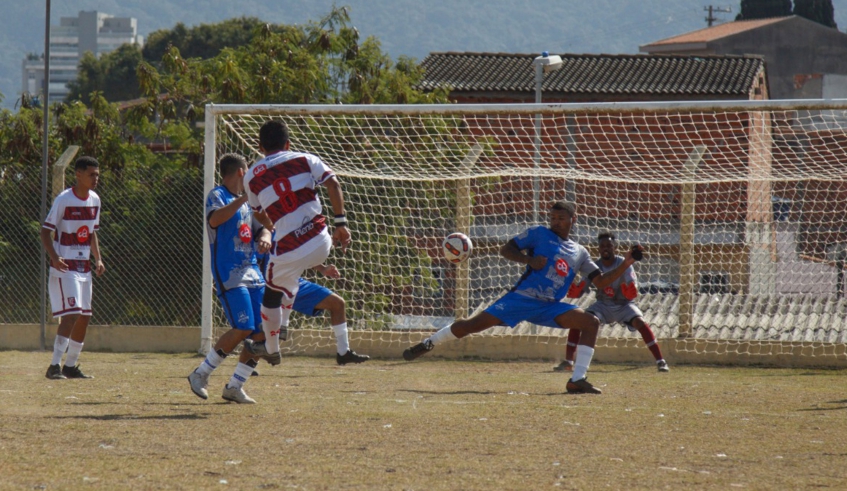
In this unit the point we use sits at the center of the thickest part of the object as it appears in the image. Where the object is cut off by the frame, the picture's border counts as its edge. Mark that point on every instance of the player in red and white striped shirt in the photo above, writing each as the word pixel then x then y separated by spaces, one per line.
pixel 283 185
pixel 69 235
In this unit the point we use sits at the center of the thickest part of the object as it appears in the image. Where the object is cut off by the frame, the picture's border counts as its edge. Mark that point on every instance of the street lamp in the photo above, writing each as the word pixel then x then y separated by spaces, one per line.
pixel 543 64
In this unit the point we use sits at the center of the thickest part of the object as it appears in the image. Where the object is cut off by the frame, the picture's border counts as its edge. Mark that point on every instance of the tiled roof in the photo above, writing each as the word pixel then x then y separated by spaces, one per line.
pixel 717 32
pixel 594 74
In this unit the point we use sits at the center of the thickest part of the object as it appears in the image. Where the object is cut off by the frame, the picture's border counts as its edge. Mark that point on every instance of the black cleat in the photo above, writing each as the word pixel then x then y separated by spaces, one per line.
pixel 54 372
pixel 418 350
pixel 74 372
pixel 662 366
pixel 261 351
pixel 254 374
pixel 351 357
pixel 565 366
pixel 581 386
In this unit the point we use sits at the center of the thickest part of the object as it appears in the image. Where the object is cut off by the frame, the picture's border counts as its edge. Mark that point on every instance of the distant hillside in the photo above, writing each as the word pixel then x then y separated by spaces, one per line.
pixel 405 27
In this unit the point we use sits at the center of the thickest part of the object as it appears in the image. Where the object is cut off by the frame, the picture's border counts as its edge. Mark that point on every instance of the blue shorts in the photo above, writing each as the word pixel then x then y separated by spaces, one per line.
pixel 513 308
pixel 242 307
pixel 308 297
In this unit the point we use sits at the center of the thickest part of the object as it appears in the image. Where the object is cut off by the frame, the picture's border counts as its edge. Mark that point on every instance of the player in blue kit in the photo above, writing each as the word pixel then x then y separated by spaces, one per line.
pixel 235 238
pixel 553 261
pixel 313 300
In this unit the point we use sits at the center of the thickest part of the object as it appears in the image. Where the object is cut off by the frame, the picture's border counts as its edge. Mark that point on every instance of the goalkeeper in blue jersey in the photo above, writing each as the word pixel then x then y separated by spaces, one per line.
pixel 552 261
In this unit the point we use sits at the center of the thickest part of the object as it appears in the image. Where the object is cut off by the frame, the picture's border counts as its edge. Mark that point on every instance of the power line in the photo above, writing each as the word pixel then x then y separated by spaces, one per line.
pixel 710 19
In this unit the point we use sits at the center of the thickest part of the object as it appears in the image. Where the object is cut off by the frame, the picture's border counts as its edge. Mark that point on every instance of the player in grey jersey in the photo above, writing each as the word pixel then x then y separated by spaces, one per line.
pixel 614 304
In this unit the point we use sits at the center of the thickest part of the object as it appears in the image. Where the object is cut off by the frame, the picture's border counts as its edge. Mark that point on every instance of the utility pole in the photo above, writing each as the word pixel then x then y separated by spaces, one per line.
pixel 711 10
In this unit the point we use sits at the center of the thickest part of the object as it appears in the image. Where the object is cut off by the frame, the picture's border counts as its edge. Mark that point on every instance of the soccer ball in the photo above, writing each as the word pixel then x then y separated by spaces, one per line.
pixel 457 247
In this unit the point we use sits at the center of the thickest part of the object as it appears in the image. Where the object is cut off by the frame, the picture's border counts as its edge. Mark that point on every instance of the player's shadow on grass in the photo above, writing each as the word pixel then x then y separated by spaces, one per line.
pixel 130 417
pixel 607 368
pixel 482 392
pixel 99 404
pixel 841 407
pixel 450 392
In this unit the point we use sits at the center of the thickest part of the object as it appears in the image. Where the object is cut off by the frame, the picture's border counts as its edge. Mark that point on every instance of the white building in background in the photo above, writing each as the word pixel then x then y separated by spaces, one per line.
pixel 92 31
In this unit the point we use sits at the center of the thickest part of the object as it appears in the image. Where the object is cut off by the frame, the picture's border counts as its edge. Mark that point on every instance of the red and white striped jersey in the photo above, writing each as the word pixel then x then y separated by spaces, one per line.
pixel 73 220
pixel 284 186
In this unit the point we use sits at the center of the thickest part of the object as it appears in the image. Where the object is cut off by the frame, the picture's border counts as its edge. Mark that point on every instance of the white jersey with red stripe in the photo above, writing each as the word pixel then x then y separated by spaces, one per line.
pixel 284 185
pixel 73 220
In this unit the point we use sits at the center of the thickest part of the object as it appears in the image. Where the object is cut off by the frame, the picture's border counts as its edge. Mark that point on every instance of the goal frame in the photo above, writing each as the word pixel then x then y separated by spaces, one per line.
pixel 212 111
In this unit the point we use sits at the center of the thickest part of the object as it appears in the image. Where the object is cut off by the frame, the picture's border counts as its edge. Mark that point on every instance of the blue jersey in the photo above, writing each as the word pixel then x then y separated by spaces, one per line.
pixel 233 252
pixel 565 258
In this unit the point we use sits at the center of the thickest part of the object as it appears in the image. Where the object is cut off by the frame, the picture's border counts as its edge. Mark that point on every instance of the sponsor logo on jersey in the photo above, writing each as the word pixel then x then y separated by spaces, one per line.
pixel 562 268
pixel 245 234
pixel 609 291
pixel 260 169
pixel 304 229
pixel 82 234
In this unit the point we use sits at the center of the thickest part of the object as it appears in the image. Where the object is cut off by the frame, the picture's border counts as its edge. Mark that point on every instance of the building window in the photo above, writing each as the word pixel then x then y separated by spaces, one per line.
pixel 714 282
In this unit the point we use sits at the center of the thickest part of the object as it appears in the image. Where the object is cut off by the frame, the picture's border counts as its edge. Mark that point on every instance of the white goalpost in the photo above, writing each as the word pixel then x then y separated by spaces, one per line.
pixel 740 205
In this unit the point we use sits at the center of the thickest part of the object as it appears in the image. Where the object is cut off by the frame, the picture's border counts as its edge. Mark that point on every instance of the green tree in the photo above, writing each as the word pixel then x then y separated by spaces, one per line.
pixel 113 75
pixel 149 201
pixel 326 62
pixel 320 62
pixel 203 41
pixel 151 236
pixel 763 9
pixel 820 11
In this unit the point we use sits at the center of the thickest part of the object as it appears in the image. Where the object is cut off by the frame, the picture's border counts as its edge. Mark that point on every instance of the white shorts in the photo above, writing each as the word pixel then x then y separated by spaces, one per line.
pixel 609 314
pixel 284 275
pixel 70 296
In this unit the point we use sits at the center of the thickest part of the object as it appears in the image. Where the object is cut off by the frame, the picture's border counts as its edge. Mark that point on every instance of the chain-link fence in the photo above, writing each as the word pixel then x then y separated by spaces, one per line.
pixel 150 235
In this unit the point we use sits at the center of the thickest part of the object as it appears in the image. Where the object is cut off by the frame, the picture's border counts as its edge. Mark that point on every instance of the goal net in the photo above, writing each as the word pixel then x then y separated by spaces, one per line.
pixel 741 208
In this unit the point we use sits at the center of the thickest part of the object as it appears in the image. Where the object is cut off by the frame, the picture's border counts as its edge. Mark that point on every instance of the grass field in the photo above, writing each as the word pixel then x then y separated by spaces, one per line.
pixel 430 424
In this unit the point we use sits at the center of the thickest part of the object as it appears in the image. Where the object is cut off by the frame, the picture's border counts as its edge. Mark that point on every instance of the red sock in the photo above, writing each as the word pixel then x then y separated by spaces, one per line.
pixel 650 340
pixel 573 340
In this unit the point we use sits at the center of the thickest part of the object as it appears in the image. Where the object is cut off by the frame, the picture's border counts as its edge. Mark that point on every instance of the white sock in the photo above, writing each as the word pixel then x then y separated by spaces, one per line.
pixel 583 360
pixel 213 359
pixel 341 342
pixel 270 324
pixel 60 344
pixel 444 334
pixel 74 349
pixel 241 374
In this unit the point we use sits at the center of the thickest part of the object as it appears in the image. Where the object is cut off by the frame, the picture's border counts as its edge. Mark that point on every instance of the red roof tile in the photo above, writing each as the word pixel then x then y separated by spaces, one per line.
pixel 595 74
pixel 717 32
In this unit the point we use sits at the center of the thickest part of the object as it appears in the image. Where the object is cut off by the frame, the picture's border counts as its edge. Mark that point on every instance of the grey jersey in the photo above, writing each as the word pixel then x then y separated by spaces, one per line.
pixel 612 294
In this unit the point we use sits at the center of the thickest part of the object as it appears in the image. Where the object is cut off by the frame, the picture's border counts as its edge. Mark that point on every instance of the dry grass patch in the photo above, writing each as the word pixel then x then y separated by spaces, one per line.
pixel 430 424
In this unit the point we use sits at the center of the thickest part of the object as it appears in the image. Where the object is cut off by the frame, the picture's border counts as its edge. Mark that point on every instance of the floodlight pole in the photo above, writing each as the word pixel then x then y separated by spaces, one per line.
pixel 536 188
pixel 543 64
pixel 45 147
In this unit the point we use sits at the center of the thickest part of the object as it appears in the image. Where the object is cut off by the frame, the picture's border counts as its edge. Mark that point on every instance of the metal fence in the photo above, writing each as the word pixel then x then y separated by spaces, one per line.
pixel 151 237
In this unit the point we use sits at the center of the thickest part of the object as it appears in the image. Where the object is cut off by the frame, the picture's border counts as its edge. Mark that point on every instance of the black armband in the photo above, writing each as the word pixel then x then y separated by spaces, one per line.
pixel 340 220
